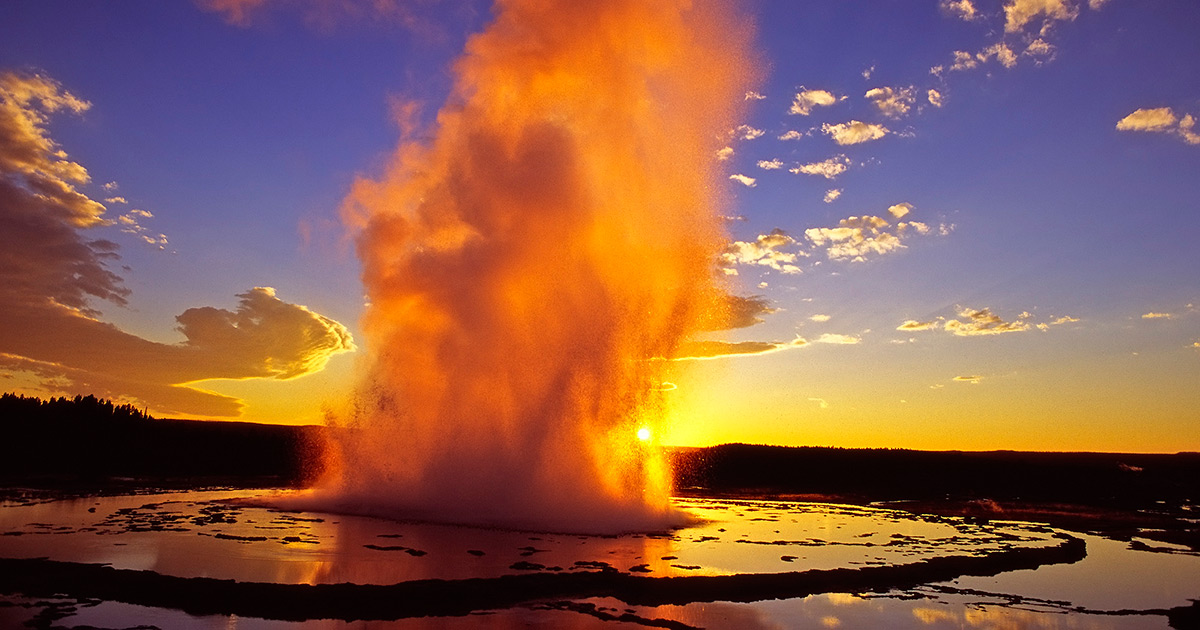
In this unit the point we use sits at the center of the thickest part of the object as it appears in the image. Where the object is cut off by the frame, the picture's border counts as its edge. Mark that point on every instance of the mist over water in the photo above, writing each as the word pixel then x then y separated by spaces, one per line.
pixel 531 258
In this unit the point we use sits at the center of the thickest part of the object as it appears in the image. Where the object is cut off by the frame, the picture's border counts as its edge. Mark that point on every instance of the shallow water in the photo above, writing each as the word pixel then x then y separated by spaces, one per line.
pixel 219 534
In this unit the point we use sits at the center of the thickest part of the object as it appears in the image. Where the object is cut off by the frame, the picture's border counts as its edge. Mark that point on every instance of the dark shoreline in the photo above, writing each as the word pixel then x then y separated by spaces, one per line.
pixel 40 577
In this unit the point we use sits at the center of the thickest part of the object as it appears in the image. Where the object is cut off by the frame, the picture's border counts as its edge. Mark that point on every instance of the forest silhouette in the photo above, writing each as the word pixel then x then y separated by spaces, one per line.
pixel 87 441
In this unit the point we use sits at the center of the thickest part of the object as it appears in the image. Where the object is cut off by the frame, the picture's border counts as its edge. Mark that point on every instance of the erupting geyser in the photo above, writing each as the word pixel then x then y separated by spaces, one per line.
pixel 531 262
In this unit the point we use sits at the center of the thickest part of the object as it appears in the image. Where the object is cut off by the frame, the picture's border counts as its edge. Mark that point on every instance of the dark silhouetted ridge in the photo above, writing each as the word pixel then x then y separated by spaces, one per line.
pixel 86 440
pixel 890 474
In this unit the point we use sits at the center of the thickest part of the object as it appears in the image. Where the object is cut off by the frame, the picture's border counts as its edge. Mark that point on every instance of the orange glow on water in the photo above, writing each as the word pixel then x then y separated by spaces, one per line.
pixel 557 231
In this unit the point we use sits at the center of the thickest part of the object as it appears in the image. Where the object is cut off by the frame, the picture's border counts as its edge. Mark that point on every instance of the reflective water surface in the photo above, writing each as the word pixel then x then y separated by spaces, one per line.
pixel 232 534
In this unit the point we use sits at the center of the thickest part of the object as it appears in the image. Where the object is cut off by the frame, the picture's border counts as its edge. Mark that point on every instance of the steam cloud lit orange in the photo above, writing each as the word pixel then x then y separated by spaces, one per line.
pixel 527 265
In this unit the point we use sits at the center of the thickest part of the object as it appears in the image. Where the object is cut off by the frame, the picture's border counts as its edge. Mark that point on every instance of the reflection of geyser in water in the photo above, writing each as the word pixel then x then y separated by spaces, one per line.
pixel 523 266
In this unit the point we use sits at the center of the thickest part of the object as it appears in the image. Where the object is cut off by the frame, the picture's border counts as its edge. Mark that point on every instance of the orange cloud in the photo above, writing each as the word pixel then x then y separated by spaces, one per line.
pixel 736 312
pixel 706 350
pixel 1161 120
pixel 51 273
pixel 913 324
pixel 1019 13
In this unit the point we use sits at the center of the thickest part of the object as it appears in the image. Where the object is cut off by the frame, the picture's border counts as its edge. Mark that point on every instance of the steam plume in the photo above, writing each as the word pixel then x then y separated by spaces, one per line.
pixel 528 264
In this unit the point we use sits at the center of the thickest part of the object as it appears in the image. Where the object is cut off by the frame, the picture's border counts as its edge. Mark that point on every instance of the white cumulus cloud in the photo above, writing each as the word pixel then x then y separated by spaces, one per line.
pixel 854 132
pixel 806 100
pixel 749 182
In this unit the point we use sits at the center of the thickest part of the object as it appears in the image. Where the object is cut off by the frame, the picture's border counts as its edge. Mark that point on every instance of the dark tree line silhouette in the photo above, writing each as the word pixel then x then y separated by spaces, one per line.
pixel 87 440
pixel 62 409
pixel 1100 479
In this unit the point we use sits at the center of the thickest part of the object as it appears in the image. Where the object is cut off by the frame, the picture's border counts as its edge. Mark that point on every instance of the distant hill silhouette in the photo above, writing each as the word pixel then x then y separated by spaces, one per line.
pixel 86 440
pixel 1118 479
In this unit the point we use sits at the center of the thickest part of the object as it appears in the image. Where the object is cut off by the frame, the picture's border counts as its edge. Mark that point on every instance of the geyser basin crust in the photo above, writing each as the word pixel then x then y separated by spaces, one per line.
pixel 201 596
pixel 291 565
pixel 221 535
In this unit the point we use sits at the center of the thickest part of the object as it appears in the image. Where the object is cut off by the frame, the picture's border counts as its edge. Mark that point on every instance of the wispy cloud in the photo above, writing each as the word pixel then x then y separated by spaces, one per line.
pixel 1153 315
pixel 836 339
pixel 962 9
pixel 746 132
pixel 770 165
pixel 971 322
pixel 1028 25
pixel 1040 50
pixel 776 250
pixel 831 195
pixel 324 15
pixel 707 350
pixel 893 102
pixel 972 379
pixel 1000 52
pixel 735 311
pixel 829 169
pixel 1057 321
pixel 981 322
pixel 856 238
pixel 133 222
pixel 912 324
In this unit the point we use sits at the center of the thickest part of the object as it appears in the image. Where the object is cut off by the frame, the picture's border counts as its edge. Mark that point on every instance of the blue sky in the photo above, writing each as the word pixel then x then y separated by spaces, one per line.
pixel 1062 244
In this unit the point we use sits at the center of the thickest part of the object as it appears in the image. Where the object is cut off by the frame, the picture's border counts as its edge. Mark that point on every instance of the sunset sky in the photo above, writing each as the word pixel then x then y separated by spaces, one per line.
pixel 973 224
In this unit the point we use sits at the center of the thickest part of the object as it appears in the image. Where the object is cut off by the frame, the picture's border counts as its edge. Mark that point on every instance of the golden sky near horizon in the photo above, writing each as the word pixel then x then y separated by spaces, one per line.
pixel 946 225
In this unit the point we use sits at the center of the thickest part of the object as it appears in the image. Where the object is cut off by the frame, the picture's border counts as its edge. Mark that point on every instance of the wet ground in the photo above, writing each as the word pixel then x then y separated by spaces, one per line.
pixel 220 559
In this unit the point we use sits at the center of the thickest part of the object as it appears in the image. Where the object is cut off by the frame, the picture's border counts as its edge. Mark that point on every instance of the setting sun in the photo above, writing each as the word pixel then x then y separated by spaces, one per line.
pixel 643 434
